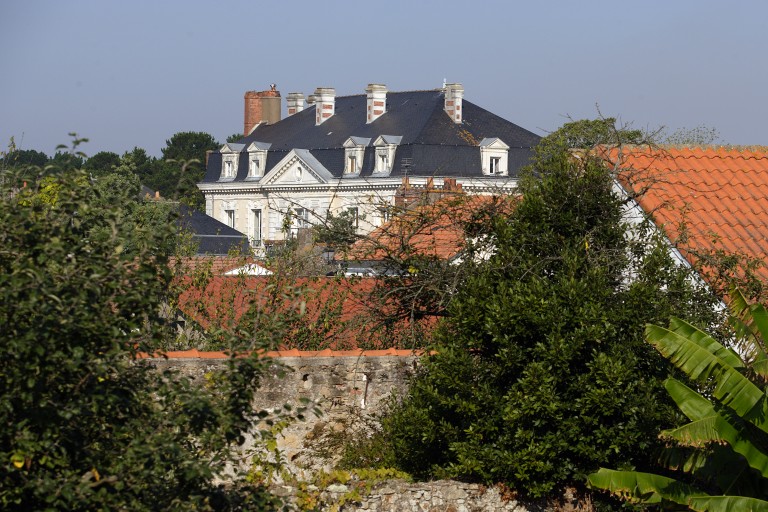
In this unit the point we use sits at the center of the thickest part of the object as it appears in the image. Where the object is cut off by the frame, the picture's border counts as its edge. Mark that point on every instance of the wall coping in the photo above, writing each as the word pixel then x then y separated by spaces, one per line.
pixel 277 354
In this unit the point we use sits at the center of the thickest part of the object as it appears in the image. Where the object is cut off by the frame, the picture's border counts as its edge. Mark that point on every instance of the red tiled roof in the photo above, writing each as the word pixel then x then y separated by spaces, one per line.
pixel 218 265
pixel 337 313
pixel 434 230
pixel 705 198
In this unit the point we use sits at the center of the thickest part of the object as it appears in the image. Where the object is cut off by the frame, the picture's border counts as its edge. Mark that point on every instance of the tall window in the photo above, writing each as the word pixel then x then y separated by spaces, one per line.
pixel 383 162
pixel 302 217
pixel 230 214
pixel 351 164
pixel 495 166
pixel 256 228
pixel 228 168
pixel 255 168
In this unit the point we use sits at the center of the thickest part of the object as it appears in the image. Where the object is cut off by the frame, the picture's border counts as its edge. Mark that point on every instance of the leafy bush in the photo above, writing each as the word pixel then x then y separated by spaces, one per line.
pixel 540 373
pixel 84 425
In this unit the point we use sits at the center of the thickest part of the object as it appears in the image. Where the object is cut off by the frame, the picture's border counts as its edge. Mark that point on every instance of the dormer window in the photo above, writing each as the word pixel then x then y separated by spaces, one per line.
pixel 354 152
pixel 495 165
pixel 257 158
pixel 351 165
pixel 494 157
pixel 386 145
pixel 230 156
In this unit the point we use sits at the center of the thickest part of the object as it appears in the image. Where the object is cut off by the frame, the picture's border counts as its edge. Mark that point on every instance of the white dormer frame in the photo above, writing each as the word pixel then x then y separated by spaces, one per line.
pixel 257 158
pixel 230 159
pixel 386 145
pixel 354 152
pixel 494 157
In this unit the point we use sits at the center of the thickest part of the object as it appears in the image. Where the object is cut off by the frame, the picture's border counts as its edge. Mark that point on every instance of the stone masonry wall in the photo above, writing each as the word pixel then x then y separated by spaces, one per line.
pixel 350 391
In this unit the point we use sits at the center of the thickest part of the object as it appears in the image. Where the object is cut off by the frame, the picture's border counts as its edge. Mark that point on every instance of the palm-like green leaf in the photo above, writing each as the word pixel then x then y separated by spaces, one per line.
pixel 641 487
pixel 750 322
pixel 727 504
pixel 731 387
pixel 709 426
pixel 705 341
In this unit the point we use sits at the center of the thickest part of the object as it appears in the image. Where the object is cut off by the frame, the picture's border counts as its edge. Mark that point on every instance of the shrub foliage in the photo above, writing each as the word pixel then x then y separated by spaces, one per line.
pixel 540 373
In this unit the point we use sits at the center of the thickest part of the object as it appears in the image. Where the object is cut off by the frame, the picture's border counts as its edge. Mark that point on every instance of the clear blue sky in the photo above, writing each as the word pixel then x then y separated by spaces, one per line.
pixel 133 73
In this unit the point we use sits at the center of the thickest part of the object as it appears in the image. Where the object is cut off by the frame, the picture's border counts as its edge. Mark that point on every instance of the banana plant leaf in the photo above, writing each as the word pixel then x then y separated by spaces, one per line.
pixel 727 504
pixel 639 487
pixel 750 322
pixel 710 426
pixel 705 341
pixel 731 387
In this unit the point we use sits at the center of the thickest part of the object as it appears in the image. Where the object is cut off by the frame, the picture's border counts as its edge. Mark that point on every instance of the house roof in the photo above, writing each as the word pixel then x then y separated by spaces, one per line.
pixel 211 236
pixel 334 312
pixel 706 199
pixel 435 145
pixel 432 229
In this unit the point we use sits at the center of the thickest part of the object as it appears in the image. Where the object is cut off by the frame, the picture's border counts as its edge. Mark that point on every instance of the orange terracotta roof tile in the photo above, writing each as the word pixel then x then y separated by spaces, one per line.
pixel 719 192
pixel 431 230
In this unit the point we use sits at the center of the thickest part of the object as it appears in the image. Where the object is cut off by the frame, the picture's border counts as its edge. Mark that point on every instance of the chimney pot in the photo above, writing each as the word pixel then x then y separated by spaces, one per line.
pixel 454 94
pixel 376 102
pixel 261 107
pixel 325 104
pixel 295 101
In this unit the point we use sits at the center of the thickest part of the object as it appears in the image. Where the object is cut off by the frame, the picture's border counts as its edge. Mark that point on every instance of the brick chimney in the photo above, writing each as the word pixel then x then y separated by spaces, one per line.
pixel 377 101
pixel 295 102
pixel 261 107
pixel 454 93
pixel 325 104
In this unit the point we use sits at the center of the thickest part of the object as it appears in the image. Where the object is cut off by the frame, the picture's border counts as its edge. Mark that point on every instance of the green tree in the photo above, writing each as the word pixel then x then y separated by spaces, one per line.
pixel 183 165
pixel 540 373
pixel 721 456
pixel 102 163
pixel 84 424
pixel 24 157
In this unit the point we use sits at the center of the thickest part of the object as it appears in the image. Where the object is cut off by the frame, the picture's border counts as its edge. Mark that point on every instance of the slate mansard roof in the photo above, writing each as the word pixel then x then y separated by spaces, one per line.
pixel 431 145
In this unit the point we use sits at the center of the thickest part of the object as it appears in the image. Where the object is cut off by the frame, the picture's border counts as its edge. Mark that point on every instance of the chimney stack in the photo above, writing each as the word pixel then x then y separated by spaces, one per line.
pixel 295 102
pixel 454 93
pixel 325 104
pixel 261 107
pixel 377 101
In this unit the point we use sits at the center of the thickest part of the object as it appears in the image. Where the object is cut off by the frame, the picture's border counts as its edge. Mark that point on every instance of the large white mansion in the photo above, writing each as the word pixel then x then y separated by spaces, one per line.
pixel 353 153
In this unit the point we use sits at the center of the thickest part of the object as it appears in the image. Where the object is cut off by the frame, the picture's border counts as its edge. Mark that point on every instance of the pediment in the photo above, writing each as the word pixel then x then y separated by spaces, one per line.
pixel 259 146
pixel 493 143
pixel 231 147
pixel 298 167
pixel 356 142
pixel 387 140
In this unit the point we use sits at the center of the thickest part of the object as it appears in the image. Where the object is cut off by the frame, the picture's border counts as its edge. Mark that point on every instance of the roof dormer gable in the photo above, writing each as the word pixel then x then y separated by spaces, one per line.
pixel 357 142
pixel 257 158
pixel 231 147
pixel 493 143
pixel 259 146
pixel 387 140
pixel 354 152
pixel 494 157
pixel 386 145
